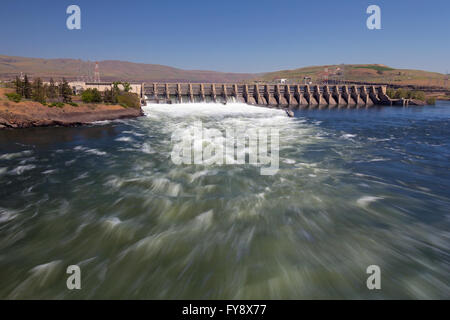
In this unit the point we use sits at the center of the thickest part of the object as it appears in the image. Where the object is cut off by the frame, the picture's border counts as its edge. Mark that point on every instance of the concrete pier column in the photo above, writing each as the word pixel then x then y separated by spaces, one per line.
pixel 190 92
pixel 235 91
pixel 364 95
pixel 166 91
pixel 291 101
pixel 355 95
pixel 384 98
pixel 282 102
pixel 256 95
pixel 239 97
pixel 326 95
pixel 308 94
pixel 202 92
pixel 245 93
pixel 179 93
pixel 336 95
pixel 373 95
pixel 213 92
pixel 225 93
pixel 346 94
pixel 298 95
pixel 269 97
pixel 155 91
pixel 276 93
pixel 318 95
pixel 249 99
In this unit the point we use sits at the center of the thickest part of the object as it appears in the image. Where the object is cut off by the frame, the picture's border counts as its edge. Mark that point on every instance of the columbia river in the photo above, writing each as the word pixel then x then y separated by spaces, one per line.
pixel 355 187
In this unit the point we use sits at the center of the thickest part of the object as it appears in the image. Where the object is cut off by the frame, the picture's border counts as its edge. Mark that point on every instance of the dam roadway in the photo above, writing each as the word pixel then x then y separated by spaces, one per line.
pixel 272 95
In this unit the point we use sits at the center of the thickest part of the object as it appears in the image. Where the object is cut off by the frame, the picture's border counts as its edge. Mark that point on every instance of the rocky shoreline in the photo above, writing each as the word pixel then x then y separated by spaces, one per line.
pixel 32 114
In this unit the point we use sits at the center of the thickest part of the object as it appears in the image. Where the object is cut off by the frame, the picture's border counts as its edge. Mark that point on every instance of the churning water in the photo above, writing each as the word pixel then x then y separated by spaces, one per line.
pixel 355 187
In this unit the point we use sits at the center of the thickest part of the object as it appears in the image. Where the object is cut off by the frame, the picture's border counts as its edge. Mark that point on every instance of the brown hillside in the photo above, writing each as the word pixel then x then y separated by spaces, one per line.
pixel 110 71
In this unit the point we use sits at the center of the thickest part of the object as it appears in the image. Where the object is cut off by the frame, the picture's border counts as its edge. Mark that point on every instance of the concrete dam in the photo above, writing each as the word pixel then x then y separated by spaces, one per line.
pixel 272 95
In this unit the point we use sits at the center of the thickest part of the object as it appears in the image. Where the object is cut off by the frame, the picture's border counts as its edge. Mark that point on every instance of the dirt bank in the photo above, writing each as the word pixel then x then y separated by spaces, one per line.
pixel 27 114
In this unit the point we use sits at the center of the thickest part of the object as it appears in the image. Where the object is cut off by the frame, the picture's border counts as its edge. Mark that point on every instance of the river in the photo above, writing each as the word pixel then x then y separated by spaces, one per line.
pixel 354 188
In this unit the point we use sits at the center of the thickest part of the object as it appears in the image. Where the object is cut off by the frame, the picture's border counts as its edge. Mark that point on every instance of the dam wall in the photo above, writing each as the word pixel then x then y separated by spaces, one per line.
pixel 276 95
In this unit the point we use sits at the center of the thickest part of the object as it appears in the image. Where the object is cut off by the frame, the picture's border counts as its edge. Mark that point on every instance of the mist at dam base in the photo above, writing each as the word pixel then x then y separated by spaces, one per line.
pixel 355 187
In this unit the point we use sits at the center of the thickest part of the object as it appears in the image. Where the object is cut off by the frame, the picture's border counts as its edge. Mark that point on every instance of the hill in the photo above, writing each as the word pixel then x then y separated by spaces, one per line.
pixel 376 73
pixel 110 71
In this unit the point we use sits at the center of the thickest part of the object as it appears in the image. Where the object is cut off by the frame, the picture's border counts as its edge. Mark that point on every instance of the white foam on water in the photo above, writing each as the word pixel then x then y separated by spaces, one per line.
pixel 208 109
pixel 366 200
pixel 10 156
pixel 124 139
pixel 21 169
pixel 91 151
pixel 6 215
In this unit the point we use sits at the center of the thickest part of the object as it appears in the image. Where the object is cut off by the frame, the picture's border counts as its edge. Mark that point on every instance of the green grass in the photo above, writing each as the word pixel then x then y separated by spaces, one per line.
pixel 376 68
pixel 14 97
pixel 56 104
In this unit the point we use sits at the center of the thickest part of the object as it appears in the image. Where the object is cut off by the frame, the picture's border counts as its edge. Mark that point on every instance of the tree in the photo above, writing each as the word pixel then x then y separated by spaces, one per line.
pixel 38 91
pixel 65 91
pixel 52 91
pixel 126 86
pixel 109 97
pixel 91 96
pixel 19 86
pixel 27 92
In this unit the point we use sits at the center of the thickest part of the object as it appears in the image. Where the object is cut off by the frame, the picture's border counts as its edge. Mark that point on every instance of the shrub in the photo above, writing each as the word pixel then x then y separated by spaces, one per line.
pixel 431 100
pixel 129 99
pixel 56 104
pixel 15 97
pixel 390 93
pixel 73 104
pixel 419 95
pixel 400 93
pixel 91 96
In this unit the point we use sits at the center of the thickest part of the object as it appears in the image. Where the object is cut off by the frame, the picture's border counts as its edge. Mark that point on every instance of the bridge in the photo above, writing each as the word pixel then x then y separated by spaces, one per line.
pixel 273 95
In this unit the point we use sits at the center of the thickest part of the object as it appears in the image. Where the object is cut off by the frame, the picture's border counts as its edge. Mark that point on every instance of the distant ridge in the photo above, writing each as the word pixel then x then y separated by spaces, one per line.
pixel 367 73
pixel 113 70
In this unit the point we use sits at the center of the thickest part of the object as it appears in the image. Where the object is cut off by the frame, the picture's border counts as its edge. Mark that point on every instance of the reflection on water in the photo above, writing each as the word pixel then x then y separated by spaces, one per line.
pixel 356 187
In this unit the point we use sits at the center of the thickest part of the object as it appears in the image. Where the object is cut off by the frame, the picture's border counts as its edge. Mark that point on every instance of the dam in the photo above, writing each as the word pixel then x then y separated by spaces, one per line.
pixel 271 95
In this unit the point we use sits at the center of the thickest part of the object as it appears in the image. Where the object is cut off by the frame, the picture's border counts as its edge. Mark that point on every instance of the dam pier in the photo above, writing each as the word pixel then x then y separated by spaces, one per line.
pixel 271 95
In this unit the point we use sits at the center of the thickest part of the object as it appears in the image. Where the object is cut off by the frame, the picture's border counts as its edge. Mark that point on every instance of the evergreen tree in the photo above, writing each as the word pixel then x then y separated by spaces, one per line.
pixel 65 91
pixel 52 92
pixel 19 86
pixel 27 92
pixel 38 91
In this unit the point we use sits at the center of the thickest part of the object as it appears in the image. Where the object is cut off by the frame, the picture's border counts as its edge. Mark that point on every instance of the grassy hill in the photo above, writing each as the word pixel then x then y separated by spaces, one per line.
pixel 110 71
pixel 376 73
pixel 127 71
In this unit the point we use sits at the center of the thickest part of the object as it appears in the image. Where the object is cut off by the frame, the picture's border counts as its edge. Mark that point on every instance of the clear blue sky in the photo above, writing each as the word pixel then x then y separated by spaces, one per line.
pixel 235 36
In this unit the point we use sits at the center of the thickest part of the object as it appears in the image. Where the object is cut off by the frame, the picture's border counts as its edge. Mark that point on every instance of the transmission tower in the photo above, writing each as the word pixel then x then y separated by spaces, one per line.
pixel 96 73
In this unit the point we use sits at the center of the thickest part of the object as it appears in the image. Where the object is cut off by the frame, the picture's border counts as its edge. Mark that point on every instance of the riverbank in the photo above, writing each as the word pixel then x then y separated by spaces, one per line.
pixel 26 114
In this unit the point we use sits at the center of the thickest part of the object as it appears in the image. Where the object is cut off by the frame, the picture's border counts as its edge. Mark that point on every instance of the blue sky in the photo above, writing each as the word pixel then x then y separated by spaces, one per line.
pixel 234 36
